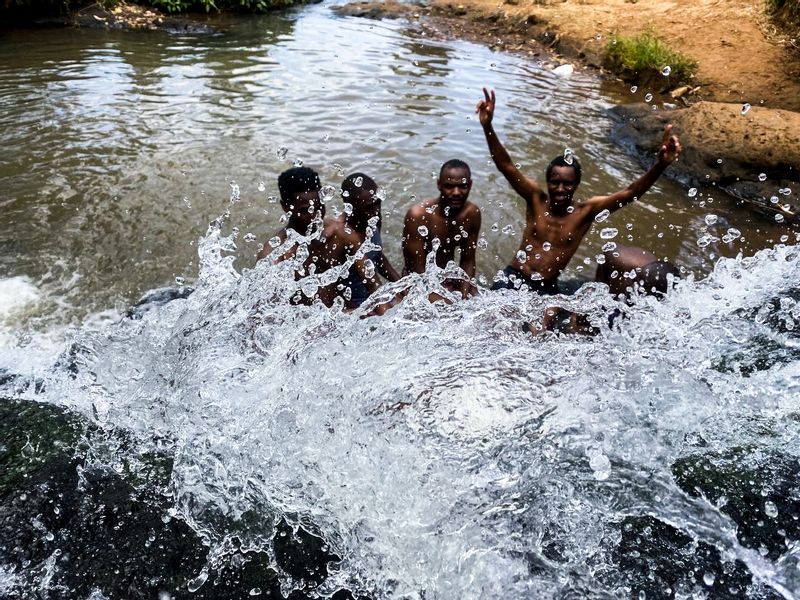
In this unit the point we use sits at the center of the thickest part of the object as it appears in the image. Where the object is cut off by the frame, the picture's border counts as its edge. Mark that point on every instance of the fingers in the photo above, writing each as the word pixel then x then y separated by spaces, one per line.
pixel 486 95
pixel 667 134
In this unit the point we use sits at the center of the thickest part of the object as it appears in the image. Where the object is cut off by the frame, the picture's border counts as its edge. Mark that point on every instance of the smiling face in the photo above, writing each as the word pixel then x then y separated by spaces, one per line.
pixel 561 186
pixel 454 186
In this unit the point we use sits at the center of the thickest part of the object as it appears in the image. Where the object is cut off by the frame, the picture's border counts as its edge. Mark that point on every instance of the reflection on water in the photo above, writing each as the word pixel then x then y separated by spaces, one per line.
pixel 122 146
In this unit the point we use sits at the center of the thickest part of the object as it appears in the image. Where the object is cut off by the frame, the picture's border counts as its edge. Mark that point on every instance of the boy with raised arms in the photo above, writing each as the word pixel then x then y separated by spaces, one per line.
pixel 554 223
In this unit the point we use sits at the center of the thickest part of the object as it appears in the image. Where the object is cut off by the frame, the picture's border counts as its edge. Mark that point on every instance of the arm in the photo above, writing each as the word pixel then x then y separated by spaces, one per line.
pixel 385 268
pixel 413 242
pixel 468 246
pixel 668 153
pixel 522 185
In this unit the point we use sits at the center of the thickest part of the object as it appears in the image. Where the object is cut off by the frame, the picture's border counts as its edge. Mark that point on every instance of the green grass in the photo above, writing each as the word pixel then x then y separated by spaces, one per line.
pixel 645 57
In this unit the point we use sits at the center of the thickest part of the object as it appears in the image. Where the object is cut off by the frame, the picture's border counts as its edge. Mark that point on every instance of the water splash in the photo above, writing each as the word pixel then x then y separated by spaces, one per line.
pixel 485 463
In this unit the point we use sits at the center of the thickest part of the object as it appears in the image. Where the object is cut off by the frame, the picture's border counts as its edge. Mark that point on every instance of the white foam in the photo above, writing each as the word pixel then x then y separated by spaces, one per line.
pixel 15 294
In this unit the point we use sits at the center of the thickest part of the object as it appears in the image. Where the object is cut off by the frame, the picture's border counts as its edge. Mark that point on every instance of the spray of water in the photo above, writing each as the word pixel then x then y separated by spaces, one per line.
pixel 442 451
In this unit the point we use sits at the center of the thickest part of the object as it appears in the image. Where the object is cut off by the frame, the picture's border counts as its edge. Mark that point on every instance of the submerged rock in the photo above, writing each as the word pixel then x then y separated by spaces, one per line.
pixel 752 153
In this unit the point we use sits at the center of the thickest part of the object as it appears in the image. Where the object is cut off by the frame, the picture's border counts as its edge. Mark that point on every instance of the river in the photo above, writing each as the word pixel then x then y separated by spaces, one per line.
pixel 440 451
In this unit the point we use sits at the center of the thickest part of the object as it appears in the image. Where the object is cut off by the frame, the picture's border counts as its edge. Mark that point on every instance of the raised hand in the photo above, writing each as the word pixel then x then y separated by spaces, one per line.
pixel 670 147
pixel 485 107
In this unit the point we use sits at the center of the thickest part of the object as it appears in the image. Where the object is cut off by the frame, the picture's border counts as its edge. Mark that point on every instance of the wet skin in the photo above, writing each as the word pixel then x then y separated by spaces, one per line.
pixel 452 219
pixel 554 223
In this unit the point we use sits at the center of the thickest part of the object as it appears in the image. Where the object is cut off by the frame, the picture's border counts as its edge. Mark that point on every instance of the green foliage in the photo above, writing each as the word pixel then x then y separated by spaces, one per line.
pixel 251 6
pixel 645 57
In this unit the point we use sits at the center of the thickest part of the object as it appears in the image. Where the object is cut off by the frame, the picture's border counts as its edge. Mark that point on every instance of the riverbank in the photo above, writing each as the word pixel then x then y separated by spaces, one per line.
pixel 742 103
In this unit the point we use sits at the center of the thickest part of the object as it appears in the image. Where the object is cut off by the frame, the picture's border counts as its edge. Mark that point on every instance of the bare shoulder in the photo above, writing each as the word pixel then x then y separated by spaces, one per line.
pixel 419 211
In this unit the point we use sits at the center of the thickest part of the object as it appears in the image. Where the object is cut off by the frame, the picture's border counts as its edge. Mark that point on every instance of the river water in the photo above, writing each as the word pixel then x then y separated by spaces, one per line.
pixel 440 451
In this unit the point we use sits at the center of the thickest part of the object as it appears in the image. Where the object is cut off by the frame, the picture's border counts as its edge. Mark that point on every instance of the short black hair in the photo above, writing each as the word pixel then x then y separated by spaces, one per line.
pixel 455 163
pixel 296 181
pixel 367 182
pixel 560 161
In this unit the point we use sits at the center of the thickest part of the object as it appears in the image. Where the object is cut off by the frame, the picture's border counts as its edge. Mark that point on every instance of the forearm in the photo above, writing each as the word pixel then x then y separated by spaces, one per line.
pixel 385 268
pixel 638 188
pixel 498 152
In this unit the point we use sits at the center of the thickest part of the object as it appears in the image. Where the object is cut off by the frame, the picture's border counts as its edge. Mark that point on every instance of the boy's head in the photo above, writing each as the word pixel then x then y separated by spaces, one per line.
pixel 361 192
pixel 299 189
pixel 455 183
pixel 562 178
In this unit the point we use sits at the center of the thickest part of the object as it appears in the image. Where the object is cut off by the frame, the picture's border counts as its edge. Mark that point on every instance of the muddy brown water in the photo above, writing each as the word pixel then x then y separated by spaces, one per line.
pixel 119 148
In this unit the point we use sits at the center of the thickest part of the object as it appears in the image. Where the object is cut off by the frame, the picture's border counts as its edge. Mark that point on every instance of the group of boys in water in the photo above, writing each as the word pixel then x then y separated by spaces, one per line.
pixel 555 224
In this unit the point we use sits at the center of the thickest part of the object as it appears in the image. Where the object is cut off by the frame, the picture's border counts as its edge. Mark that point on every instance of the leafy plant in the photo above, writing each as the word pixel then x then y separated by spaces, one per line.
pixel 646 57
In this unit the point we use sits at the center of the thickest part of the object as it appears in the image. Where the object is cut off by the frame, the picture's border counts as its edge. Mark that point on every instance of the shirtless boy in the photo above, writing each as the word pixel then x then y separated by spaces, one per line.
pixel 361 193
pixel 325 244
pixel 554 224
pixel 450 218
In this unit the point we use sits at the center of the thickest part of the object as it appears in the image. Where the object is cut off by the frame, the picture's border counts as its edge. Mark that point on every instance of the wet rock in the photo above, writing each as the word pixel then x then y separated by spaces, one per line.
pixel 158 297
pixel 755 488
pixel 752 153
pixel 69 530
pixel 377 10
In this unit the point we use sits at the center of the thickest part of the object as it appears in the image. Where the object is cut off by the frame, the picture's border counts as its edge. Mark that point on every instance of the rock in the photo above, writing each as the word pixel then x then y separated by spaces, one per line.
pixel 72 530
pixel 752 154
pixel 377 10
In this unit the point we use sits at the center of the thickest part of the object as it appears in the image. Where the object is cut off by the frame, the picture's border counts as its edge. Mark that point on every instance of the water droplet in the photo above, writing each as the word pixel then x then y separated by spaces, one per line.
pixel 692 192
pixel 521 256
pixel 495 227
pixel 770 509
pixel 180 280
pixel 347 208
pixel 601 466
pixel 711 219
pixel 704 240
pixel 272 199
pixel 282 152
pixel 369 269
pixel 249 237
pixel 275 242
pixel 774 199
pixel 779 218
pixel 261 186
pixel 327 193
pixel 602 216
pixel 570 209
pixel 547 246
pixel 666 71
pixel 709 578
pixel 600 259
pixel 196 583
pixel 297 163
pixel 762 176
pixel 255 591
pixel 609 246
pixel 648 97
pixel 784 238
pixel 745 108
pixel 634 89
pixel 568 156
pixel 483 243
pixel 508 229
pixel 358 181
pixel 423 231
pixel 608 233
pixel 785 191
